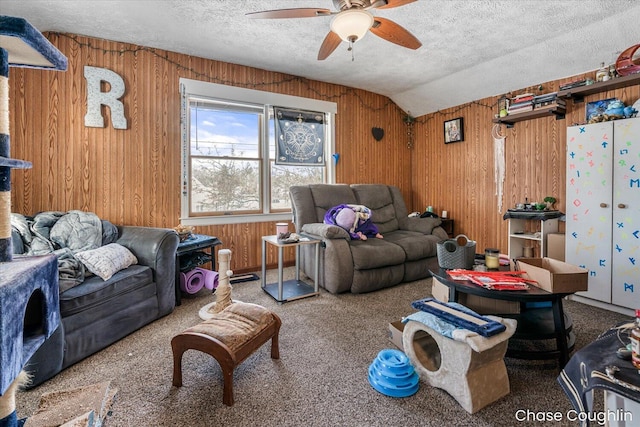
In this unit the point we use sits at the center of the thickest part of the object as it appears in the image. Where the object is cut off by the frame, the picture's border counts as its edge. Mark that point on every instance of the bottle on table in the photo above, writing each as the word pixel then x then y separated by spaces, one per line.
pixel 492 258
pixel 602 74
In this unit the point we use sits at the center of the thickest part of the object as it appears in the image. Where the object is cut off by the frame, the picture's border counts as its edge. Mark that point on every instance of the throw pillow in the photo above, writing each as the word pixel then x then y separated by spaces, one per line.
pixel 107 260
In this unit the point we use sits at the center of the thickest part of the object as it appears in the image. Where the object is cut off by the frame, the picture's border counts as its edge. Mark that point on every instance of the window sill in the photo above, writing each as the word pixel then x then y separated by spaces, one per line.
pixel 236 219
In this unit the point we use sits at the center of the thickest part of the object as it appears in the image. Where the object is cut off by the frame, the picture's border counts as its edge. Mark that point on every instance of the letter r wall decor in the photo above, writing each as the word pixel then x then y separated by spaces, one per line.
pixel 96 98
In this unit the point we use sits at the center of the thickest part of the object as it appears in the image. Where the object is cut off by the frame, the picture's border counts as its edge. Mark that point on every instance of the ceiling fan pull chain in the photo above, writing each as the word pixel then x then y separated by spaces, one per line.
pixel 351 49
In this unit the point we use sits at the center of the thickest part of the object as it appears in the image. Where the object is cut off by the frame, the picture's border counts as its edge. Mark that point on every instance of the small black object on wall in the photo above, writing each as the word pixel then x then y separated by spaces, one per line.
pixel 378 133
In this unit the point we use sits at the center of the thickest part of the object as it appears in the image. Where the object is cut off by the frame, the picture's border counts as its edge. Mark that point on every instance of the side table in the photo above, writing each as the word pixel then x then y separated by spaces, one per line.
pixel 529 229
pixel 447 225
pixel 187 256
pixel 289 290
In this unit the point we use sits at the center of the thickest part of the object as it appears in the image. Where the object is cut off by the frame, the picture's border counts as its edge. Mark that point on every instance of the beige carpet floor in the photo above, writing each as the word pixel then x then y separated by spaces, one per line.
pixel 326 345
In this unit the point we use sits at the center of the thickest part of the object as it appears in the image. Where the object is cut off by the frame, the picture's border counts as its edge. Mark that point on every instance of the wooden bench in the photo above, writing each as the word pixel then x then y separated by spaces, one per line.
pixel 230 337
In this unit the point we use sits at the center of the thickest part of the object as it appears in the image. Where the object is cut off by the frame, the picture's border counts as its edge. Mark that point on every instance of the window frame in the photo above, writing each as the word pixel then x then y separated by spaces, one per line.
pixel 223 93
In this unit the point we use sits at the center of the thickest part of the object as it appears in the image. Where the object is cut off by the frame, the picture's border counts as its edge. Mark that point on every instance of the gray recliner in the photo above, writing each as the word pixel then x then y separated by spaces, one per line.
pixel 406 253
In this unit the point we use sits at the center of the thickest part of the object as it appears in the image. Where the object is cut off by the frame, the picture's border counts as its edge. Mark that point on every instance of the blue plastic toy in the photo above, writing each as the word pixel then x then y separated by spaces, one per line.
pixel 392 374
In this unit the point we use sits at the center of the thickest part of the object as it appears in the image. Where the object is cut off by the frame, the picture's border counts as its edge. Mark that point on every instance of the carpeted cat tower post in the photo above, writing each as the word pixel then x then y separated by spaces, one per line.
pixel 29 281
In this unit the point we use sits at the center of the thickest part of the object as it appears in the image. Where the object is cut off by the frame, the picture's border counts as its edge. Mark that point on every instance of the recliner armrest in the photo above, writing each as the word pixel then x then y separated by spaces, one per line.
pixel 421 225
pixel 326 231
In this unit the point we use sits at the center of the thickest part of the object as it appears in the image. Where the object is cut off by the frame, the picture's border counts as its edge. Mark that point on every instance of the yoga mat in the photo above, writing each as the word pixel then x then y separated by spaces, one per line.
pixel 192 281
pixel 210 278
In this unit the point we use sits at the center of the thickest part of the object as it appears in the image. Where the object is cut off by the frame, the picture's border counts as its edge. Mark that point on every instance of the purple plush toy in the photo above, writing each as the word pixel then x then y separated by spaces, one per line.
pixel 356 219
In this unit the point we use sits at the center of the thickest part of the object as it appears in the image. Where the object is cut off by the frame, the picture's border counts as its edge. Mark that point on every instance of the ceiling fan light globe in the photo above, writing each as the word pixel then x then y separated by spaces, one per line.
pixel 352 25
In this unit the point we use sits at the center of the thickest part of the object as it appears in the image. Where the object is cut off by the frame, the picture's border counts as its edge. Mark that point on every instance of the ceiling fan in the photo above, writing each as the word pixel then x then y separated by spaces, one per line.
pixel 350 23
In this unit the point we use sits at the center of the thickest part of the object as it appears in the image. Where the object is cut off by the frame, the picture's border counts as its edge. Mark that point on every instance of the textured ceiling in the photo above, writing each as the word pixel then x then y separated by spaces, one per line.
pixel 470 49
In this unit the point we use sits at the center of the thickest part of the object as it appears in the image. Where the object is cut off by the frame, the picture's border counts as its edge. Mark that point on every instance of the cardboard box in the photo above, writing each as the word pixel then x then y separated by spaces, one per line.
pixel 555 246
pixel 439 290
pixel 395 333
pixel 555 276
pixel 480 305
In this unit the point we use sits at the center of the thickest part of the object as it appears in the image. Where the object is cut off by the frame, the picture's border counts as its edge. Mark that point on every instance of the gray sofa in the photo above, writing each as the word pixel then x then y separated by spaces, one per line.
pixel 96 313
pixel 407 252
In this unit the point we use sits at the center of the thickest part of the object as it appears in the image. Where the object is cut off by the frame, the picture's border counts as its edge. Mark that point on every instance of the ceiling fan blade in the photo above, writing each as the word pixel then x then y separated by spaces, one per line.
pixel 302 12
pixel 330 43
pixel 394 33
pixel 395 3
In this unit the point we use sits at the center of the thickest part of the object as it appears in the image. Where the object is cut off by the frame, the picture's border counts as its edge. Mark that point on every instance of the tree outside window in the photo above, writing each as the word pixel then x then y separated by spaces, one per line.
pixel 228 150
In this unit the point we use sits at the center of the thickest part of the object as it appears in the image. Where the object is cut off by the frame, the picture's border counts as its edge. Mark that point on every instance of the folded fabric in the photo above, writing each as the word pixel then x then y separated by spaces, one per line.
pixel 459 315
pixel 477 342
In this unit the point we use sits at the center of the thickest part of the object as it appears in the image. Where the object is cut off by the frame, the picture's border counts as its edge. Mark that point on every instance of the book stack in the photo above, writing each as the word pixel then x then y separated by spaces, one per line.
pixel 548 101
pixel 574 84
pixel 521 103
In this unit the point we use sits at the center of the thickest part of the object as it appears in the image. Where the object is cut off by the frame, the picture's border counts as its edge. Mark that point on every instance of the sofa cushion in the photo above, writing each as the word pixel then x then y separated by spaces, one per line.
pixel 375 253
pixel 101 325
pixel 376 278
pixel 107 260
pixel 416 245
pixel 377 197
pixel 94 291
pixel 326 196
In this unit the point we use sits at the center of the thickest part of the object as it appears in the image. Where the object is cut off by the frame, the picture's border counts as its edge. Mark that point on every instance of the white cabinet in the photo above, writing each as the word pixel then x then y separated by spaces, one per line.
pixel 603 208
pixel 527 231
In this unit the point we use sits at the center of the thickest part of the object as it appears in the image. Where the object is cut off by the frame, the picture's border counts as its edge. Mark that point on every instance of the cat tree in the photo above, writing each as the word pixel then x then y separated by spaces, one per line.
pixel 27 280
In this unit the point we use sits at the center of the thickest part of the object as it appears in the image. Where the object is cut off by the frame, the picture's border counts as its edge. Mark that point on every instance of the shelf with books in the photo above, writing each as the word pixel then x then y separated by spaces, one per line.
pixel 553 109
pixel 578 93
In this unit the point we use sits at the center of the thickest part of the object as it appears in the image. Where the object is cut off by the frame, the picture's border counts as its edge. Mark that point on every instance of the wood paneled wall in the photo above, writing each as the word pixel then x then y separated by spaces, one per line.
pixel 132 176
pixel 459 177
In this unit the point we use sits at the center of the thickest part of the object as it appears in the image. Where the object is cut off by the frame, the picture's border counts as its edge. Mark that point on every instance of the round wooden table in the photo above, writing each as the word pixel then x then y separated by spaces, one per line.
pixel 540 322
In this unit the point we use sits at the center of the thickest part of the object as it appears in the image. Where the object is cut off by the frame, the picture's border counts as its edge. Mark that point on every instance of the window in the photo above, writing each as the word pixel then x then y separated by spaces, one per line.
pixel 229 168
